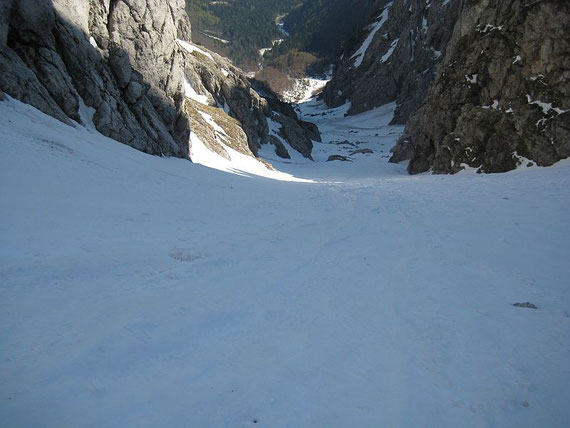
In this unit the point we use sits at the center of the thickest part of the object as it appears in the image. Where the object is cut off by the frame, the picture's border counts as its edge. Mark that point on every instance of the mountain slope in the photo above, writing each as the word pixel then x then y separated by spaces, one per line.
pixel 145 291
pixel 480 84
pixel 129 68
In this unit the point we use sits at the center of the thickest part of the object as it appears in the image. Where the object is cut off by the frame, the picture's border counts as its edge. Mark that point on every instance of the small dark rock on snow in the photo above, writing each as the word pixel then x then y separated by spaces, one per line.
pixel 338 157
pixel 525 305
pixel 361 151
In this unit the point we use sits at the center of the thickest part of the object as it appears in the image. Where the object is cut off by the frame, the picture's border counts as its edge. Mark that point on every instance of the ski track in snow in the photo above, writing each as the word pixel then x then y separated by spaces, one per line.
pixel 144 291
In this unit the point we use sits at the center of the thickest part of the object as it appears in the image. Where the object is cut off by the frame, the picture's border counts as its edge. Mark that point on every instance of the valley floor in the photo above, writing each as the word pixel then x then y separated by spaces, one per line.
pixel 141 291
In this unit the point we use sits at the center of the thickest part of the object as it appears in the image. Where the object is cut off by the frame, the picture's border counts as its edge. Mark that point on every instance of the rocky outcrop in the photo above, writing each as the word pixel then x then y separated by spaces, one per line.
pixel 215 82
pixel 80 61
pixel 502 94
pixel 118 65
pixel 395 57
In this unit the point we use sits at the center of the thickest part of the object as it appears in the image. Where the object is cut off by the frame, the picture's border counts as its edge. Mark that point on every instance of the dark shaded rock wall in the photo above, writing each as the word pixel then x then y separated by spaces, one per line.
pixel 502 93
pixel 416 32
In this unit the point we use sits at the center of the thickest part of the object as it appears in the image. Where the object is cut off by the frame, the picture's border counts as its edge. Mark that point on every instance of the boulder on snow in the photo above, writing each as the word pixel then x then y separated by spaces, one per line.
pixel 525 305
pixel 360 151
pixel 280 149
pixel 339 158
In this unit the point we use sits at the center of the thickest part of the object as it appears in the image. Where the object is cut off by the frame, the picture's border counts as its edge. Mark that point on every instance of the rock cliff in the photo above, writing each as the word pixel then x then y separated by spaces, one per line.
pixel 218 88
pixel 502 94
pixel 395 57
pixel 122 66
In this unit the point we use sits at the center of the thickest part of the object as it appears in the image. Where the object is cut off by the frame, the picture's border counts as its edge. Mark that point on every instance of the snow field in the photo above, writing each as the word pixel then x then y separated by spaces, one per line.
pixel 144 291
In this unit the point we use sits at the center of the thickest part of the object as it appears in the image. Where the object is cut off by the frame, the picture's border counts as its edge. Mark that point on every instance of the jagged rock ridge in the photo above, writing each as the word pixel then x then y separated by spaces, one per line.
pixel 118 64
pixel 502 93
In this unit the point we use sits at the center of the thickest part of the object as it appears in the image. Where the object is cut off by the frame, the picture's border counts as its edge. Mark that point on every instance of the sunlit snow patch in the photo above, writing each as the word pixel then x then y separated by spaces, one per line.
pixel 239 163
pixel 193 48
pixel 225 42
pixel 191 93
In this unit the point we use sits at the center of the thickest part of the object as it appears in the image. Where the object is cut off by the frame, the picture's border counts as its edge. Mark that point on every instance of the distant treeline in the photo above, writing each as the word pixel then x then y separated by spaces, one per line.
pixel 322 26
pixel 319 27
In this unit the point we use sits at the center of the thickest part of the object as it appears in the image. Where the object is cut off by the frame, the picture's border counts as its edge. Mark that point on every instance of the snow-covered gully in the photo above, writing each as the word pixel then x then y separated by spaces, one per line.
pixel 144 291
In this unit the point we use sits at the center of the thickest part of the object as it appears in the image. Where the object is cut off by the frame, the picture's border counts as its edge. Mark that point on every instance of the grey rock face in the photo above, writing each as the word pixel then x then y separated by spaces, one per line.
pixel 122 60
pixel 502 93
pixel 17 80
pixel 406 40
pixel 52 62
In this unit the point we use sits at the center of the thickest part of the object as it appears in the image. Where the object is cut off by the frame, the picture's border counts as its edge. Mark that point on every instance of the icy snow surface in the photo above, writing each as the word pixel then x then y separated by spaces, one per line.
pixel 139 291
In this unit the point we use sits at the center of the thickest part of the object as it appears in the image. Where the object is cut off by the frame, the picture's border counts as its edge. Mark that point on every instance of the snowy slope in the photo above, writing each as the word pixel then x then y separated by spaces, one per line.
pixel 142 291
